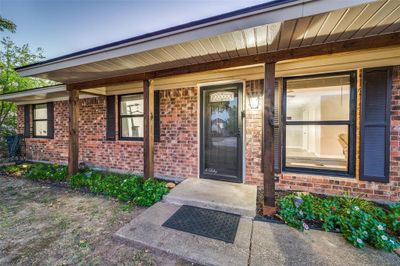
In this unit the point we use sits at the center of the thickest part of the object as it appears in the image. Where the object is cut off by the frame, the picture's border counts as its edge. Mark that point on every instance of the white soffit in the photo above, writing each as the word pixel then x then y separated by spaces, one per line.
pixel 248 33
pixel 40 95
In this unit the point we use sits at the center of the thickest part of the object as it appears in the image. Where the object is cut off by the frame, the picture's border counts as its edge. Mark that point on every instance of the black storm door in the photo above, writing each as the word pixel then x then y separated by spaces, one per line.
pixel 221 132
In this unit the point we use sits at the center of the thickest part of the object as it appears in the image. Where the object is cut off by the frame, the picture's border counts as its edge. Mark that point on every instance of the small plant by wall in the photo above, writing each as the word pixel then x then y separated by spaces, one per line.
pixel 127 188
pixel 360 221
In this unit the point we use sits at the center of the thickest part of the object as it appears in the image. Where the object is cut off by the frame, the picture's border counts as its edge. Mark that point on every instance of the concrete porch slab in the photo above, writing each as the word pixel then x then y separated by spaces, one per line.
pixel 217 195
pixel 147 230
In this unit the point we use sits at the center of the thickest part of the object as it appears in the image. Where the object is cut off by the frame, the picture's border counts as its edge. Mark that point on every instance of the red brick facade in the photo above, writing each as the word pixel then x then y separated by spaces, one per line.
pixel 177 153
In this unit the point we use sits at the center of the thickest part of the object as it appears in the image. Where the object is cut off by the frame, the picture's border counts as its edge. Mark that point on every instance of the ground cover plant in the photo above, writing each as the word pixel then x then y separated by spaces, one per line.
pixel 127 188
pixel 359 221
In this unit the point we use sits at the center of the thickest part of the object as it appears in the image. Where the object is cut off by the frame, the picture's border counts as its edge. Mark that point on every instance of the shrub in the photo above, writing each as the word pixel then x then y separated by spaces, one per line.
pixel 358 220
pixel 152 192
pixel 80 180
pixel 393 218
pixel 130 188
pixel 11 169
pixel 38 171
pixel 41 171
pixel 126 188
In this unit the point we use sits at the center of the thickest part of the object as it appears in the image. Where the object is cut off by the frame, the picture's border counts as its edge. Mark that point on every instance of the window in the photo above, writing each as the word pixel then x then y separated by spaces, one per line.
pixel 40 120
pixel 131 116
pixel 319 123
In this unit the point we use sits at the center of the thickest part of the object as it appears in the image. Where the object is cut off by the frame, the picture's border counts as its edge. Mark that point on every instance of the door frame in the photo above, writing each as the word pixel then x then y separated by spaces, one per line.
pixel 203 89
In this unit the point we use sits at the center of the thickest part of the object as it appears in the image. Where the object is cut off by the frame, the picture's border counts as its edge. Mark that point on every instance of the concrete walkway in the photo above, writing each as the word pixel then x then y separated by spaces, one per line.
pixel 279 244
pixel 146 230
pixel 256 242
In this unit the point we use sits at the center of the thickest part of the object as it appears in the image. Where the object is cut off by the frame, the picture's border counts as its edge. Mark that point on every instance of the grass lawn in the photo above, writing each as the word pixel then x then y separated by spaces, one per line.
pixel 46 225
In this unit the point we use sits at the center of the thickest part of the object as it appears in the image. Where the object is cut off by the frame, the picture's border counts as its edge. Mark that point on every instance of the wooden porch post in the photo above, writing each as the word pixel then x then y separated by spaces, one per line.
pixel 268 141
pixel 148 145
pixel 73 151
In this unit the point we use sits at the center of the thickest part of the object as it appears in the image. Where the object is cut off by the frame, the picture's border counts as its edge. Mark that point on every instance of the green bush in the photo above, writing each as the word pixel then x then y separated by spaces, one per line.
pixel 151 192
pixel 11 169
pixel 393 218
pixel 80 180
pixel 358 220
pixel 130 188
pixel 38 171
pixel 126 188
pixel 41 171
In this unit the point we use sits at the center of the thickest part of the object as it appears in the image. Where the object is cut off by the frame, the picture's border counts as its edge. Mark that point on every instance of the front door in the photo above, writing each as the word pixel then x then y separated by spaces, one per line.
pixel 221 132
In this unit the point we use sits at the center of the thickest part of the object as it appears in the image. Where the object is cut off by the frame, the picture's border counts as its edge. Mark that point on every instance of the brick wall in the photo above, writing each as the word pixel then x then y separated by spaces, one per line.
pixel 53 150
pixel 253 150
pixel 327 184
pixel 177 153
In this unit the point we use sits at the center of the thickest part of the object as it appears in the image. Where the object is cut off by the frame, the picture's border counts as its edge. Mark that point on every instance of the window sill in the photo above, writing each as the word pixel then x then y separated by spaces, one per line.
pixel 38 139
pixel 130 139
pixel 316 173
pixel 128 142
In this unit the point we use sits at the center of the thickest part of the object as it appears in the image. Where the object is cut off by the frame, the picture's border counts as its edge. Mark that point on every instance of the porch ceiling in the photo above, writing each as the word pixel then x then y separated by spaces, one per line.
pixel 363 20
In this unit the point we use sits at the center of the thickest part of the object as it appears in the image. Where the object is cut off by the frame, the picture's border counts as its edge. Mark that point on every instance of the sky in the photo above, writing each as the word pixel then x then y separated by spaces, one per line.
pixel 60 27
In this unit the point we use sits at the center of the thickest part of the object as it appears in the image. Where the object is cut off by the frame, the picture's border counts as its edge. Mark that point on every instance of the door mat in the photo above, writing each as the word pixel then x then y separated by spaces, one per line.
pixel 204 222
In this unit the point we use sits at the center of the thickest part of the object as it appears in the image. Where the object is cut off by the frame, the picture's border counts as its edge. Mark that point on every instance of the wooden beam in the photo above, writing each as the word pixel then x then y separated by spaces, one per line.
pixel 270 57
pixel 268 139
pixel 73 151
pixel 148 149
pixel 93 93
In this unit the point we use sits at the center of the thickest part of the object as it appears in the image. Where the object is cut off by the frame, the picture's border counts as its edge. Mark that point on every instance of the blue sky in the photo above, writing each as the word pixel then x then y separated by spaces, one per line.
pixel 65 26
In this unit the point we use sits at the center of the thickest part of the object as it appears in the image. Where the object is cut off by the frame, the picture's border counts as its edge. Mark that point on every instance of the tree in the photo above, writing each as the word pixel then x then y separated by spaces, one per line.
pixel 6 24
pixel 12 56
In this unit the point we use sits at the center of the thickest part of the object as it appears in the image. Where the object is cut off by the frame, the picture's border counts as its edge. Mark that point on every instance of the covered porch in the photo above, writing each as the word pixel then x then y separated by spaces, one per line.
pixel 277 39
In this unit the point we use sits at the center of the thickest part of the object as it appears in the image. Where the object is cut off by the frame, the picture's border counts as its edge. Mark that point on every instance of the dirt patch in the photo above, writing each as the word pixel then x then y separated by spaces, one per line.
pixel 45 225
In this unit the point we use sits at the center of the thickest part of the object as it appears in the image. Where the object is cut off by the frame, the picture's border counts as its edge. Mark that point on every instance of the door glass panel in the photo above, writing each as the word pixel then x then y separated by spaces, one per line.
pixel 221 132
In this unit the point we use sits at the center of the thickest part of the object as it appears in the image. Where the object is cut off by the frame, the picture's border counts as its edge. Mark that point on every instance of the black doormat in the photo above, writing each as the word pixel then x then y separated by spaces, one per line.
pixel 204 222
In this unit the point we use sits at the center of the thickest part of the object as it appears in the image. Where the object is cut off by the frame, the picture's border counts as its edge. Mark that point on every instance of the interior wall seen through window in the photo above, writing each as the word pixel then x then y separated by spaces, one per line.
pixel 317 118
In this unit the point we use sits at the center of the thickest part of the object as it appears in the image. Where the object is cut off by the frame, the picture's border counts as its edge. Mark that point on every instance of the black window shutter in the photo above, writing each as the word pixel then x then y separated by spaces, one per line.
pixel 157 116
pixel 50 120
pixel 277 129
pixel 27 124
pixel 375 125
pixel 110 124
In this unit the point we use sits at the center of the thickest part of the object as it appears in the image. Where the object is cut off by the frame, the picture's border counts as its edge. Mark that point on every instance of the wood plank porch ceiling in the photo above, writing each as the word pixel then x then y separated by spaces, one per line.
pixel 370 19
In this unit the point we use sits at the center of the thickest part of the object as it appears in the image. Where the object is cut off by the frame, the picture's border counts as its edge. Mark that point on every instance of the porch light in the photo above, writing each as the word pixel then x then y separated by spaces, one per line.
pixel 254 102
